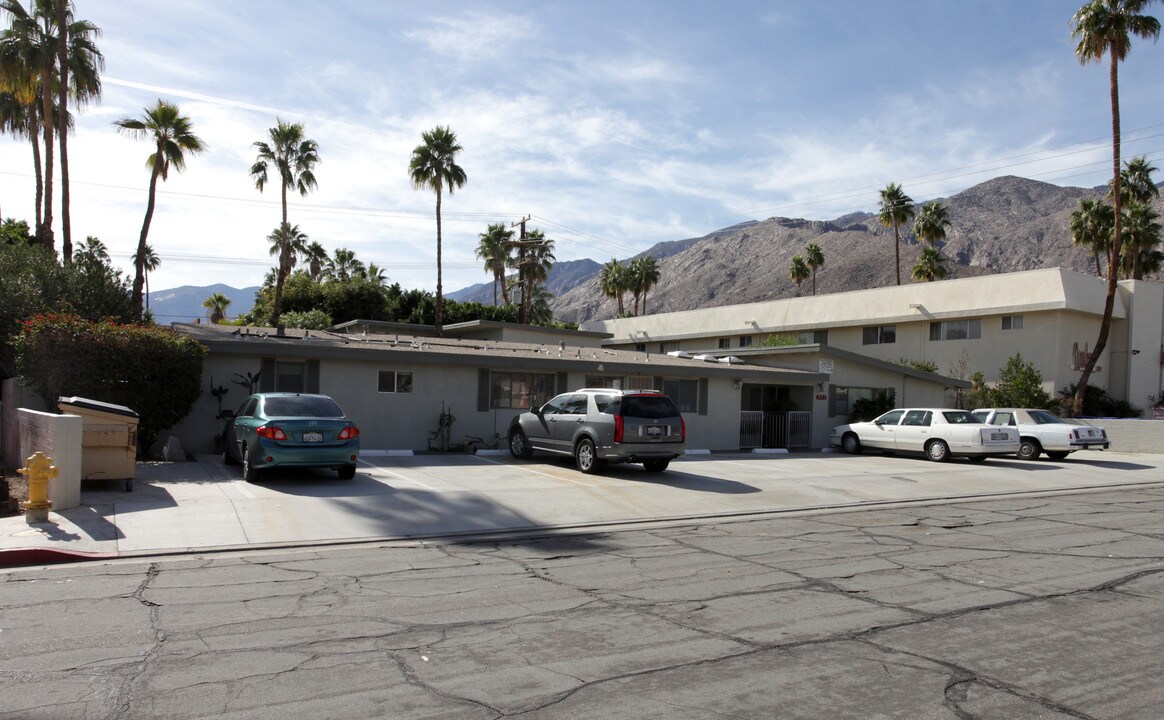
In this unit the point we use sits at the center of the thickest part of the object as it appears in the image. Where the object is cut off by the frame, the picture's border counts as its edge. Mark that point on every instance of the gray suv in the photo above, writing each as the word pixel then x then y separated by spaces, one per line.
pixel 601 425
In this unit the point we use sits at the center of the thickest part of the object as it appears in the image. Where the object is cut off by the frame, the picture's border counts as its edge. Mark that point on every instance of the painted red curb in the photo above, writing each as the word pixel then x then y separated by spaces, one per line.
pixel 20 557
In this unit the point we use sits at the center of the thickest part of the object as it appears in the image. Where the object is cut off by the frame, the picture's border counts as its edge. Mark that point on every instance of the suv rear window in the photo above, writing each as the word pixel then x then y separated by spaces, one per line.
pixel 651 407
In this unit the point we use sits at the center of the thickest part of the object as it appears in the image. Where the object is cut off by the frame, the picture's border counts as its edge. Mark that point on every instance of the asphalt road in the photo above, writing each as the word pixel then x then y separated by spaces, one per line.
pixel 1048 606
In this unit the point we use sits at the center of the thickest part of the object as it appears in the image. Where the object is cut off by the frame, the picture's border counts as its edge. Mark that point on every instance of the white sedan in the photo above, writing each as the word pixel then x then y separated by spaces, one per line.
pixel 939 433
pixel 1041 431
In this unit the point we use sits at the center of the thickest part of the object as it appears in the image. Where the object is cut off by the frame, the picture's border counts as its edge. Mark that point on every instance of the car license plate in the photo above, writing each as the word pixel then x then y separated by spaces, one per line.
pixel 654 431
pixel 998 436
pixel 312 437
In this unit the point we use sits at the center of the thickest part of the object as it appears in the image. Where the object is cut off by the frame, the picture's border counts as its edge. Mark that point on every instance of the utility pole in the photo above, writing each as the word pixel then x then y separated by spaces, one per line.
pixel 521 245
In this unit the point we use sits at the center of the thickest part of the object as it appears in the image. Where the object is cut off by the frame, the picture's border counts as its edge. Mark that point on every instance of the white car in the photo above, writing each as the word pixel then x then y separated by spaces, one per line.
pixel 1043 432
pixel 939 433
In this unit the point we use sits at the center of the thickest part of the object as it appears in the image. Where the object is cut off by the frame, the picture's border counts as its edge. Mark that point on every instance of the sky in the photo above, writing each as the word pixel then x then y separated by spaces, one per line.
pixel 613 124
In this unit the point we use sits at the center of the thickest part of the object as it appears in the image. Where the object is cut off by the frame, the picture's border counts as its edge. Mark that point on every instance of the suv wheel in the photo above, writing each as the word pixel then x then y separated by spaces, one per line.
pixel 519 444
pixel 656 465
pixel 587 457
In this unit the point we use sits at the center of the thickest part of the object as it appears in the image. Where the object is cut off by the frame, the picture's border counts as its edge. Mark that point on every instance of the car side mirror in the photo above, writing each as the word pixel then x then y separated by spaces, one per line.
pixel 536 410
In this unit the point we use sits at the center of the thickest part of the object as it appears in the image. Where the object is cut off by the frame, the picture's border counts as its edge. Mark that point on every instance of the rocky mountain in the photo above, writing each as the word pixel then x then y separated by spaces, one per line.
pixel 184 304
pixel 564 276
pixel 1003 225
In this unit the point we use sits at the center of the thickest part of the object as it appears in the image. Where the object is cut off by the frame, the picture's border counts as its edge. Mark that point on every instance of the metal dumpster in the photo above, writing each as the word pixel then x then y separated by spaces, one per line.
pixel 109 439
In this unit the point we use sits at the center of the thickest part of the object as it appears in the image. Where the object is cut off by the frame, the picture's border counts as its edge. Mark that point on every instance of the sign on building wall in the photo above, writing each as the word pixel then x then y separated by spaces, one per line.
pixel 1080 358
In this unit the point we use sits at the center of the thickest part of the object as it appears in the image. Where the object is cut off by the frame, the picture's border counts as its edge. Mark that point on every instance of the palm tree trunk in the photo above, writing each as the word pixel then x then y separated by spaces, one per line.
pixel 440 299
pixel 62 100
pixel 897 251
pixel 1114 256
pixel 814 281
pixel 139 261
pixel 34 138
pixel 46 229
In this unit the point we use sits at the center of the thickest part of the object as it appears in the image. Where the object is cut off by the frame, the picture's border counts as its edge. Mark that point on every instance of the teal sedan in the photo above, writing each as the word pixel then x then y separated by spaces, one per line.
pixel 290 430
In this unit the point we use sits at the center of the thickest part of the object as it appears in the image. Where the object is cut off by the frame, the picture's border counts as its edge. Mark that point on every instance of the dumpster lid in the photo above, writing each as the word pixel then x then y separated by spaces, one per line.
pixel 87 404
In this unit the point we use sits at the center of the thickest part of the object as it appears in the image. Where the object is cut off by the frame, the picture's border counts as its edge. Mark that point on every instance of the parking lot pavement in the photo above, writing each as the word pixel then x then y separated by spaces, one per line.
pixel 1046 607
pixel 180 506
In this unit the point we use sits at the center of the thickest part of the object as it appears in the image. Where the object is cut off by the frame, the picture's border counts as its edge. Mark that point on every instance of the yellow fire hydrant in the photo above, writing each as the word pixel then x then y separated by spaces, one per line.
pixel 39 471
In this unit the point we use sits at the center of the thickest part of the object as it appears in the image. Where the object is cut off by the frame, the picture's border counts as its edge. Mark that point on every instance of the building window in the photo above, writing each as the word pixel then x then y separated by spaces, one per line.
pixel 879 335
pixel 956 330
pixel 640 382
pixel 725 343
pixel 667 347
pixel 290 376
pixel 844 397
pixel 640 347
pixel 685 393
pixel 599 381
pixel 1012 322
pixel 814 337
pixel 391 381
pixel 745 340
pixel 518 390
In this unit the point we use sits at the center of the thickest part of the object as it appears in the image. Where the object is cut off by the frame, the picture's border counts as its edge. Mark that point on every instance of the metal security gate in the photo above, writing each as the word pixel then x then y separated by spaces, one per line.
pixel 760 429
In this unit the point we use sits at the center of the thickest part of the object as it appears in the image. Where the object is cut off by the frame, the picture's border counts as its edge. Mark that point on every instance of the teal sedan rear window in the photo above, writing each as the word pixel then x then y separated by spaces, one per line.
pixel 303 406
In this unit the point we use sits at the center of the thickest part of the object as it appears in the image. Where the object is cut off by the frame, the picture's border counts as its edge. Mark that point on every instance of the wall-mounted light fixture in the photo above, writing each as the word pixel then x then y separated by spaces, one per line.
pixel 820 387
pixel 737 384
pixel 1135 352
pixel 915 306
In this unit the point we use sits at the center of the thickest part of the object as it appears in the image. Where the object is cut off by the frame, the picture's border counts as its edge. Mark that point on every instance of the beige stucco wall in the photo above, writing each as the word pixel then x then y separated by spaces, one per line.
pixel 390 421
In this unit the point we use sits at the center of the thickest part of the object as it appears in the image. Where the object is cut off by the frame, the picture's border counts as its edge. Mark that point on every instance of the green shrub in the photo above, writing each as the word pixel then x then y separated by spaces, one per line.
pixel 149 369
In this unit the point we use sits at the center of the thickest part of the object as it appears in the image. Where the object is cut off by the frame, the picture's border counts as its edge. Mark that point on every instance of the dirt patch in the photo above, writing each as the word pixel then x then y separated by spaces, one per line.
pixel 13 492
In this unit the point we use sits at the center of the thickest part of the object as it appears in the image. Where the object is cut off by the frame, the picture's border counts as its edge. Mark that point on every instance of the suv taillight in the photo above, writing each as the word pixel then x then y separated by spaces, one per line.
pixel 349 433
pixel 618 428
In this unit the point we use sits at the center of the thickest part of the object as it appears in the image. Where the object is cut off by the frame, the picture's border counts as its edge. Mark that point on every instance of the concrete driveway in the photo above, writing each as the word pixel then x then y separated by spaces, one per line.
pixel 205 505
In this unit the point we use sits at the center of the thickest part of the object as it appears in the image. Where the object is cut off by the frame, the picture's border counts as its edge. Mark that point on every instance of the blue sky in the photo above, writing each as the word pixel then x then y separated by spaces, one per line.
pixel 615 125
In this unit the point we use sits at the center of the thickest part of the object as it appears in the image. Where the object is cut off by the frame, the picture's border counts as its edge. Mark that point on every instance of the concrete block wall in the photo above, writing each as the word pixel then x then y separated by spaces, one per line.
pixel 1135 436
pixel 60 437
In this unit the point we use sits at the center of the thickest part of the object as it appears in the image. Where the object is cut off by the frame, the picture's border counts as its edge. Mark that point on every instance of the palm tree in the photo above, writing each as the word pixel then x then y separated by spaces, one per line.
pixel 798 271
pixel 1138 188
pixel 896 208
pixel 374 274
pixel 930 266
pixel 1105 27
pixel 613 281
pixel 645 274
pixel 36 58
pixel 216 304
pixel 150 262
pixel 1091 228
pixel 288 243
pixel 343 265
pixel 814 258
pixel 316 258
pixel 931 223
pixel 1141 236
pixel 289 154
pixel 92 252
pixel 538 261
pixel 173 136
pixel 433 165
pixel 495 246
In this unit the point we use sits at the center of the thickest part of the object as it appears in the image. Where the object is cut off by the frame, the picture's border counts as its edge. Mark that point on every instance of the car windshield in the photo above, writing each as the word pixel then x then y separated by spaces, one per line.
pixel 301 406
pixel 959 417
pixel 651 407
pixel 1042 417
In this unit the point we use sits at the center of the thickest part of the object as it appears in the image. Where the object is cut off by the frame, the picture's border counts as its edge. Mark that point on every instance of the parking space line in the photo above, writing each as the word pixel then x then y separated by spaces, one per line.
pixel 526 468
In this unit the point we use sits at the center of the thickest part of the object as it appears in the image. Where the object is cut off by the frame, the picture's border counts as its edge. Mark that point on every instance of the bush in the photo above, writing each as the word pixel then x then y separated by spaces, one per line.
pixel 1096 403
pixel 148 369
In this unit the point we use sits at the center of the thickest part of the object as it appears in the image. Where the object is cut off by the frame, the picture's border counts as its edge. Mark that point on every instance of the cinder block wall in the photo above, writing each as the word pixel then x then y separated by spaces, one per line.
pixel 1136 436
pixel 59 437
